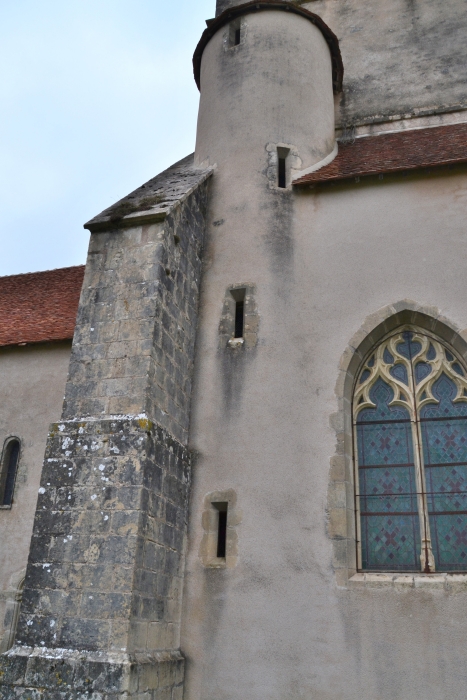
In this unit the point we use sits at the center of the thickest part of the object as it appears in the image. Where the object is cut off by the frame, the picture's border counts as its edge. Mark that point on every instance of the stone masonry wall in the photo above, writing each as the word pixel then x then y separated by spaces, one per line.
pixel 134 340
pixel 106 559
pixel 106 552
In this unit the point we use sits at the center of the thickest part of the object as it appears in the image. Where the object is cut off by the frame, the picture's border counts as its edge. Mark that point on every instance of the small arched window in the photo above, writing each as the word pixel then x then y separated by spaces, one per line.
pixel 410 434
pixel 9 468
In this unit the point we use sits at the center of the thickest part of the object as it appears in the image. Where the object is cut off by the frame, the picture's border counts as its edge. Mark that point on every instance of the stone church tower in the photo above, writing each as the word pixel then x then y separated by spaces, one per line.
pixel 258 485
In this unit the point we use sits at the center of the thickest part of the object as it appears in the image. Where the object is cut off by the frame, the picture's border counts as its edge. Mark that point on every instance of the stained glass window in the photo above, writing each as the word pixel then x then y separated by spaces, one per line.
pixel 410 428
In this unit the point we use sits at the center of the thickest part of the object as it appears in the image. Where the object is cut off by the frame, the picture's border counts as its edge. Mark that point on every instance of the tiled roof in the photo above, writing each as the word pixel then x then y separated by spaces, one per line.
pixel 39 306
pixel 390 153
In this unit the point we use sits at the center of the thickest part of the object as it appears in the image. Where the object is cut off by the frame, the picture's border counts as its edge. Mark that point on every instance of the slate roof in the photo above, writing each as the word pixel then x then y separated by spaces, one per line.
pixel 396 152
pixel 39 307
pixel 154 199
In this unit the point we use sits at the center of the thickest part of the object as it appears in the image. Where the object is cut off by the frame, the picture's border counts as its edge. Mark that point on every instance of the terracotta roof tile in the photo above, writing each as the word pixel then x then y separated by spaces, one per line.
pixel 390 153
pixel 39 306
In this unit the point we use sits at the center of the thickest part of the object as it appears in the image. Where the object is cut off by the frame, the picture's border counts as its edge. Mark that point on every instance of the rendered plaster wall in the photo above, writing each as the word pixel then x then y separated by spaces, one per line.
pixel 33 382
pixel 401 57
pixel 281 622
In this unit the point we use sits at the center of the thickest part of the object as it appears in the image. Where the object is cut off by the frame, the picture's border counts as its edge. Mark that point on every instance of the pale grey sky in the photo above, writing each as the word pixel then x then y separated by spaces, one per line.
pixel 97 97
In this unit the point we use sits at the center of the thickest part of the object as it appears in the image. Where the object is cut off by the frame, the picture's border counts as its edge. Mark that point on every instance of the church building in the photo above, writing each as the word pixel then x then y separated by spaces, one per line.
pixel 234 443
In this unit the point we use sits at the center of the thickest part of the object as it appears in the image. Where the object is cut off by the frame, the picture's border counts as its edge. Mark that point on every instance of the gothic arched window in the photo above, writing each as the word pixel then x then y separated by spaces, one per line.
pixel 410 432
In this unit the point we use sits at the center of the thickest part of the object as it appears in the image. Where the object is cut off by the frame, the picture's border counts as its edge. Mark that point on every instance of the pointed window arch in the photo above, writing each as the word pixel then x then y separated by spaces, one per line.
pixel 410 447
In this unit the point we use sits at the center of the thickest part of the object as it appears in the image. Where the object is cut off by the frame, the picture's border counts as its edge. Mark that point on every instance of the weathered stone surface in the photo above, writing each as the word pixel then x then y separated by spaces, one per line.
pixel 155 198
pixel 108 536
pixel 422 41
pixel 106 556
pixel 135 332
pixel 46 674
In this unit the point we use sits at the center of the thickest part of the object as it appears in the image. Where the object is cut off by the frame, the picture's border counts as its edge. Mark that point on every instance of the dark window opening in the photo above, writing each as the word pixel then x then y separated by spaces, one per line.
pixel 239 318
pixel 235 33
pixel 282 155
pixel 221 529
pixel 239 314
pixel 8 473
pixel 281 173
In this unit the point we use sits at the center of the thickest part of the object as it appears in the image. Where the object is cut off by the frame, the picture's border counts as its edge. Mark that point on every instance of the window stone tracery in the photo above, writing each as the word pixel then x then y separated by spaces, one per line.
pixel 410 448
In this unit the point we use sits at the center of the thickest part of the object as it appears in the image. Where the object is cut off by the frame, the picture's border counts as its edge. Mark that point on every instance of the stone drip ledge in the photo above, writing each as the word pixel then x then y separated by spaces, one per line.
pixel 31 673
pixel 429 582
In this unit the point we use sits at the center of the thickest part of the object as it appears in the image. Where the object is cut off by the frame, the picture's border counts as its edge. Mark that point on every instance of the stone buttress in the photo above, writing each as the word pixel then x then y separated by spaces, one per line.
pixel 101 605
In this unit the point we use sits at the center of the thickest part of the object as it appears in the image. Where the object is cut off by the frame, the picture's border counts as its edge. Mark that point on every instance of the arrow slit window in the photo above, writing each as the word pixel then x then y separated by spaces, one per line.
pixel 410 447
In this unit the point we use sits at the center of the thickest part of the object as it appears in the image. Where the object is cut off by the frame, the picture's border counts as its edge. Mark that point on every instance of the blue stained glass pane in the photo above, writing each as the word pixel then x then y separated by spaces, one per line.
pixel 391 543
pixel 387 357
pixel 457 368
pixel 390 532
pixel 449 357
pixel 431 354
pixel 444 391
pixel 381 394
pixel 444 436
pixel 422 370
pixel 399 372
pixel 408 347
pixel 383 444
pixel 390 490
pixel 449 541
pixel 364 375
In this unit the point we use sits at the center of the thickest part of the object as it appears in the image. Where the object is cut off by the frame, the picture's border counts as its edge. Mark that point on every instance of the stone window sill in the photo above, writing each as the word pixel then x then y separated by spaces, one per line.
pixel 236 342
pixel 448 582
pixel 5 507
pixel 217 563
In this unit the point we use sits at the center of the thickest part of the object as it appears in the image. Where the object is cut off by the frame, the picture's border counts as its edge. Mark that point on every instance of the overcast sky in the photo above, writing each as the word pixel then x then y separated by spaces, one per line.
pixel 97 96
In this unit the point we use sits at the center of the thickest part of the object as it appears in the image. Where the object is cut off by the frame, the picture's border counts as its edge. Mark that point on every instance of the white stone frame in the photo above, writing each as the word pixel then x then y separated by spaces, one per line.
pixel 341 523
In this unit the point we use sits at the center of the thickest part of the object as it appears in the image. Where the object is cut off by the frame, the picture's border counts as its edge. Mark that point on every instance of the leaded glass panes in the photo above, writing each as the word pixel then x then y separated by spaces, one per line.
pixel 410 417
pixel 388 501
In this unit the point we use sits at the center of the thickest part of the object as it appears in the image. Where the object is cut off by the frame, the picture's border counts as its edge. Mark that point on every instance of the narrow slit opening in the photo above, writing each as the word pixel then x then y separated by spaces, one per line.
pixel 282 154
pixel 221 529
pixel 281 173
pixel 239 318
pixel 235 33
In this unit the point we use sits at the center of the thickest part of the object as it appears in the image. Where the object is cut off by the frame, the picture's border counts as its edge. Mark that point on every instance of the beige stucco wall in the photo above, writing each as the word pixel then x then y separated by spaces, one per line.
pixel 280 623
pixel 32 380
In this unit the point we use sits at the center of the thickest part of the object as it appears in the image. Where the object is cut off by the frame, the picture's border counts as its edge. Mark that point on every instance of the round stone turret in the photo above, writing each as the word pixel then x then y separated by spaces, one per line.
pixel 267 72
